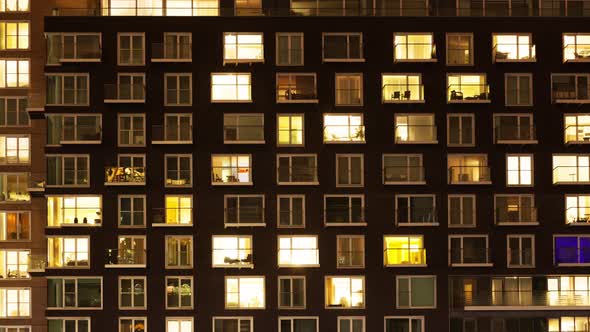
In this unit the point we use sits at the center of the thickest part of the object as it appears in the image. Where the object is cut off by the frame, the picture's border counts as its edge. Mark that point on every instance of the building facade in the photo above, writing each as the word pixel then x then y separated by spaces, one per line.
pixel 311 166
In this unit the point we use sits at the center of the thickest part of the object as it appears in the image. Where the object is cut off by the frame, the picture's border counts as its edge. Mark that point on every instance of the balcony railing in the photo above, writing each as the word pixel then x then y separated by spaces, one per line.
pixel 297 257
pixel 516 216
pixel 414 216
pixel 297 175
pixel 469 93
pixel 124 175
pixel 172 52
pixel 576 52
pixel 244 216
pixel 349 97
pixel 470 257
pixel 231 175
pixel 172 134
pixel 415 134
pixel 409 52
pixel 350 258
pixel 172 217
pixel 571 174
pixel 520 257
pixel 577 134
pixel 570 93
pixel 519 53
pixel 125 258
pixel 403 175
pixel 515 134
pixel 577 215
pixel 572 256
pixel 296 94
pixel 243 134
pixel 403 93
pixel 344 216
pixel 404 256
pixel 37 263
pixel 233 258
pixel 124 93
pixel 81 134
pixel 344 134
pixel 551 300
pixel 469 175
pixel 36 182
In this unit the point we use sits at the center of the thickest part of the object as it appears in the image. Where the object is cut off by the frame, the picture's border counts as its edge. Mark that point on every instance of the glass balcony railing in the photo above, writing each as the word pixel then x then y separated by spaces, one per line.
pixel 470 257
pixel 469 174
pixel 172 134
pixel 244 216
pixel 350 258
pixel 243 133
pixel 124 175
pixel 414 52
pixel 296 257
pixel 516 215
pixel 577 134
pixel 231 175
pixel 296 94
pixel 349 97
pixel 173 217
pixel 125 257
pixel 416 216
pixel 576 53
pixel 36 182
pixel 516 134
pixel 172 52
pixel 404 256
pixel 415 134
pixel 297 174
pixel 344 134
pixel 403 174
pixel 577 215
pixel 403 93
pixel 344 215
pixel 469 93
pixel 569 256
pixel 571 174
pixel 37 263
pixel 514 53
pixel 233 257
pixel 523 298
pixel 124 93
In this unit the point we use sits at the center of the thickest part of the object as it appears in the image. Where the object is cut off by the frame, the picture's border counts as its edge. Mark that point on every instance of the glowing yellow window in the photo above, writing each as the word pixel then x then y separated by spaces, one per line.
pixel 345 292
pixel 243 47
pixel 298 251
pixel 179 210
pixel 404 250
pixel 244 292
pixel 290 129
pixel 14 35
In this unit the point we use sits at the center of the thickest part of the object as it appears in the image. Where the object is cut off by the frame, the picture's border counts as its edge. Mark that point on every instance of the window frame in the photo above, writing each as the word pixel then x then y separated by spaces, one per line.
pixel 290 157
pixel 5 8
pixel 350 278
pixel 75 90
pixel 233 156
pixel 18 35
pixel 409 278
pixel 531 47
pixel 178 279
pixel 19 301
pixel 74 35
pixel 292 319
pixel 237 46
pixel 292 78
pixel 579 248
pixel 461 116
pixel 577 181
pixel 409 237
pixel 238 205
pixel 520 170
pixel 469 35
pixel 290 251
pixel 348 157
pixel 18 266
pixel 409 318
pixel 239 278
pixel 19 221
pixel 77 264
pixel 408 77
pixel 236 85
pixel 569 99
pixel 350 238
pixel 133 320
pixel 178 320
pixel 178 157
pixel 348 47
pixel 433 55
pixel 131 197
pixel 337 88
pixel 190 254
pixel 407 157
pixel 76 157
pixel 520 207
pixel 290 197
pixel 351 138
pixel 277 48
pixel 409 207
pixel 237 239
pixel 485 86
pixel 519 118
pixel 462 238
pixel 236 318
pixel 350 320
pixel 18 73
pixel 349 222
pixel 412 116
pixel 520 238
pixel 178 91
pixel 461 198
pixel 237 117
pixel 291 278
pixel 291 116
pixel 76 278
pixel 130 35
pixel 518 77
pixel 63 320
pixel 132 294
pixel 18 101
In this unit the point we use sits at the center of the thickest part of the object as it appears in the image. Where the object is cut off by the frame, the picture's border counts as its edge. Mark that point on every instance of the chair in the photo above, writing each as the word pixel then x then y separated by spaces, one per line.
pixel 407 94
pixel 396 95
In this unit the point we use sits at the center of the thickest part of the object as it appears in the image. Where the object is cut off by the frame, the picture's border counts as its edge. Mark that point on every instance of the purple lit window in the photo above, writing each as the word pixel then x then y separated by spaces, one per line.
pixel 572 249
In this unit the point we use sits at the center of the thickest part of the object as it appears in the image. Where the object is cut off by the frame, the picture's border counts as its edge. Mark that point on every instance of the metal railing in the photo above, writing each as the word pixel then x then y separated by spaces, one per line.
pixel 122 175
pixel 344 133
pixel 415 215
pixel 344 215
pixel 178 134
pixel 124 92
pixel 571 256
pixel 125 257
pixel 233 257
pixel 404 256
pixel 515 53
pixel 569 92
pixel 529 298
pixel 297 174
pixel 470 256
pixel 394 174
pixel 172 51
pixel 245 133
pixel 503 133
pixel 469 174
pixel 520 214
pixel 577 133
pixel 398 93
pixel 415 133
pixel 244 215
pixel 230 174
pixel 571 174
pixel 81 216
pixel 468 92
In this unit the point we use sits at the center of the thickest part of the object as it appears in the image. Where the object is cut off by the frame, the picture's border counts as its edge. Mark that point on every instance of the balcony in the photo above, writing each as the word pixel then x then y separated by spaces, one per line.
pixel 403 175
pixel 172 217
pixel 516 216
pixel 416 216
pixel 172 52
pixel 470 257
pixel 570 88
pixel 125 258
pixel 124 176
pixel 124 93
pixel 172 134
pixel 404 257
pixel 233 258
pixel 231 175
pixel 514 53
pixel 243 134
pixel 578 215
pixel 344 134
pixel 415 134
pixel 577 52
pixel 244 216
pixel 522 300
pixel 469 175
pixel 297 175
pixel 82 134
pixel 344 216
pixel 469 93
pixel 571 175
pixel 298 257
pixel 304 91
pixel 403 93
pixel 577 134
pixel 350 259
pixel 37 263
pixel 569 256
pixel 515 134
pixel 36 183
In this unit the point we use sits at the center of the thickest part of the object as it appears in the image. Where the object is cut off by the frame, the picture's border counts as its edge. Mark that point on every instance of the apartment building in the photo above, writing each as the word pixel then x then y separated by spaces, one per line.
pixel 317 166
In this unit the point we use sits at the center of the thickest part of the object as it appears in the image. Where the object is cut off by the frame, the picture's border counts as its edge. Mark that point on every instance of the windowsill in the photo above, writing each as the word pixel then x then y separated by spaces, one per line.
pixel 232 101
pixel 577 224
pixel 472 264
pixel 67 105
pixel 577 60
pixel 80 142
pixel 401 101
pixel 417 224
pixel 516 60
pixel 297 265
pixel 226 225
pixel 170 225
pixel 405 265
pixel 314 183
pixel 523 308
pixel 298 101
pixel 469 101
pixel 233 266
pixel 172 142
pixel 124 183
pixel 244 142
pixel 578 142
pixel 531 141
pixel 125 266
pixel 415 142
pixel 521 266
pixel 72 308
pixel 571 183
pixel 86 267
pixel 572 101
pixel 125 101
pixel 415 60
pixel 470 182
pixel 388 183
pixel 345 142
pixel 534 223
pixel 345 224
pixel 79 60
pixel 342 60
pixel 188 185
pixel 232 183
pixel 340 267
pixel 241 61
pixel 340 307
pixel 171 60
pixel 35 189
pixel 572 264
pixel 77 225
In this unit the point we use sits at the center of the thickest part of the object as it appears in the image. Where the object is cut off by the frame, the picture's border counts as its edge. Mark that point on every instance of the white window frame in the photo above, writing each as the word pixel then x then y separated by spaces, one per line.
pixel 178 157
pixel 348 45
pixel 20 6
pixel 408 77
pixel 409 278
pixel 520 171
pixel 292 319
pixel 74 36
pixel 349 222
pixel 290 130
pixel 564 45
pixel 520 237
pixel 291 78
pixel 461 198
pixel 468 35
pixel 130 35
pixel 77 265
pixel 179 238
pixel 64 278
pixel 407 247
pixel 290 197
pixel 18 102
pixel 290 251
pixel 466 236
pixel 348 89
pixel 350 319
pixel 407 46
pixel 235 85
pixel 350 239
pixel 289 48
pixel 17 266
pixel 238 205
pixel 518 77
pixel 132 295
pixel 409 124
pixel 177 223
pixel 290 158
pixel 238 125
pixel 577 167
pixel 520 207
pixel 238 249
pixel 291 278
pixel 579 248
pixel 238 45
pixel 132 97
pixel 132 211
pixel 19 302
pixel 233 161
pixel 20 221
pixel 178 91
pixel 177 44
pixel 178 279
pixel 63 177
pixel 348 157
pixel 25 32
pixel 178 320
pixel 519 118
pixel 236 318
pixel 75 91
pixel 461 116
pixel 350 279
pixel 408 208
pixel 580 129
pixel 133 320
pixel 579 209
pixel 407 166
pixel 239 278
pixel 350 138
pixel 70 319
pixel 531 47
pixel 409 318
pixel 129 132
pixel 569 100
pixel 485 85
pixel 17 74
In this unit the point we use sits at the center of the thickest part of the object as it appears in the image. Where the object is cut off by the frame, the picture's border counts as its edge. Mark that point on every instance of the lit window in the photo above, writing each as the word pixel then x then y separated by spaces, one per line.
pixel 307 324
pixel 521 250
pixel 14 35
pixel 462 210
pixel 132 211
pixel 15 302
pixel 576 47
pixel 131 130
pixel 291 292
pixel 416 292
pixel 244 210
pixel 74 210
pixel 14 73
pixel 298 251
pixel 179 89
pixel 519 89
pixel 68 170
pixel 233 324
pixel 571 250
pixel 402 88
pixel 291 211
pixel 570 88
pixel 571 169
pixel 130 170
pixel 67 89
pixel 349 89
pixel 179 324
pixel 132 293
pixel 519 170
pixel 13 187
pixel 515 209
pixel 232 251
pixel 82 293
pixel 415 210
pixel 231 87
pixel 179 292
pixel 345 292
pixel 513 47
pixel 14 264
pixel 567 323
pixel 297 169
pixel 344 210
pixel 415 129
pixel 243 128
pixel 343 47
pixel 73 47
pixel 179 252
pixel 459 49
pixel 577 128
pixel 179 170
pixel 13 111
pixel 178 211
pixel 467 88
pixel 460 129
pixel 417 47
pixel 68 252
pixel 290 129
pixel 514 128
pixel 130 253
pixel 296 88
pixel 403 168
pixel 126 324
pixel 469 250
pixel 244 292
pixel 243 47
pixel 231 169
pixel 404 323
pixel 350 251
pixel 568 289
pixel 468 169
pixel 79 324
pixel 344 128
pixel 14 5
pixel 131 49
pixel 289 48
pixel 577 209
pixel 14 150
pixel 351 324
pixel 349 170
pixel 15 226
pixel 404 250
